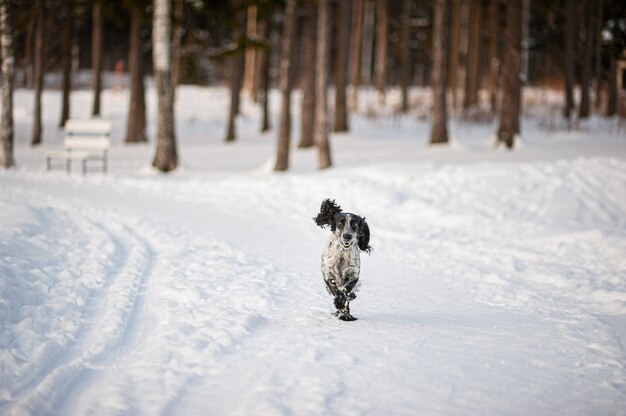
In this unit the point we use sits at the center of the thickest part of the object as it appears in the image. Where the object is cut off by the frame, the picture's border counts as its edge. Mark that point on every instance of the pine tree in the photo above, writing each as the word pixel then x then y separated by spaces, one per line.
pixel 284 128
pixel 405 54
pixel 511 84
pixel 321 84
pixel 136 125
pixel 341 69
pixel 356 43
pixel 439 131
pixel 585 78
pixel 236 76
pixel 570 62
pixel 96 56
pixel 307 119
pixel 38 71
pixel 382 35
pixel 66 83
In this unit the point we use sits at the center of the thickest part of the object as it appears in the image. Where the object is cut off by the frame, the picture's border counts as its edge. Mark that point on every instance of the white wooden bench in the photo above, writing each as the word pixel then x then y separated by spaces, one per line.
pixel 85 140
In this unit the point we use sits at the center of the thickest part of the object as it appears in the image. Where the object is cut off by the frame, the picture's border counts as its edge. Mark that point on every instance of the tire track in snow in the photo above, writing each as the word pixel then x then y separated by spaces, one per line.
pixel 118 320
pixel 111 314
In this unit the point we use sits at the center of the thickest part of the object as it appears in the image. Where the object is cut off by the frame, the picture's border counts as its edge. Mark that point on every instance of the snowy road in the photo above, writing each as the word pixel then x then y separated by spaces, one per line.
pixel 493 288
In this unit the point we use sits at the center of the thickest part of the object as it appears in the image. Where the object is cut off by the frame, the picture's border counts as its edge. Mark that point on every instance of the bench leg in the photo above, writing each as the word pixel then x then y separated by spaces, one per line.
pixel 84 167
pixel 68 165
pixel 48 163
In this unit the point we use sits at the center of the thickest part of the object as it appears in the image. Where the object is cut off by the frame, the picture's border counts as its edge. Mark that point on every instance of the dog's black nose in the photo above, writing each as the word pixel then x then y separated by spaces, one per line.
pixel 347 237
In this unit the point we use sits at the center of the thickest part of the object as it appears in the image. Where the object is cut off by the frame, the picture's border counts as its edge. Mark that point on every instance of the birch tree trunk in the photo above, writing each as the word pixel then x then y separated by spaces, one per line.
pixel 284 128
pixel 343 44
pixel 165 158
pixel 8 62
pixel 439 131
pixel 309 38
pixel 321 84
pixel 96 56
pixel 136 126
pixel 38 71
pixel 512 65
pixel 66 84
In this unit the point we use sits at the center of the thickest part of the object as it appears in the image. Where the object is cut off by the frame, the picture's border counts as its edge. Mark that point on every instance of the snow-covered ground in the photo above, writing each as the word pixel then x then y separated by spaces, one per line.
pixel 497 284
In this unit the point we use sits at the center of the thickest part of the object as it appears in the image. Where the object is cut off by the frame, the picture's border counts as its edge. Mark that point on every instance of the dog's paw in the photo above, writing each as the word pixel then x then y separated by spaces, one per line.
pixel 345 316
pixel 340 301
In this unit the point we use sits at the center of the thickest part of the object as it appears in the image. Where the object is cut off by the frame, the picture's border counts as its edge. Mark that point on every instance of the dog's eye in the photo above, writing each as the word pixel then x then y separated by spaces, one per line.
pixel 353 224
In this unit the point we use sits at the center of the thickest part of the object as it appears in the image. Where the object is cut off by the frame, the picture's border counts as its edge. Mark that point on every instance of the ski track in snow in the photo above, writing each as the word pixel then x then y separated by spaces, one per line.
pixel 493 288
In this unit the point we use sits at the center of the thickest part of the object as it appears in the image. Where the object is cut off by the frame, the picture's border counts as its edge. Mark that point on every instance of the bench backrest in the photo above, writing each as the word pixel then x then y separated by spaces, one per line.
pixel 88 134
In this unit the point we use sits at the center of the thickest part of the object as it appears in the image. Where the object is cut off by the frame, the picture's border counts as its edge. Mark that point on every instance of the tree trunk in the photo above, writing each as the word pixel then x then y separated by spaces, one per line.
pixel 177 38
pixel 369 25
pixel 405 21
pixel 512 65
pixel 598 52
pixel 264 69
pixel 308 76
pixel 284 128
pixel 356 43
pixel 250 53
pixel 8 62
pixel 583 110
pixel 29 49
pixel 494 60
pixel 611 108
pixel 66 63
pixel 473 64
pixel 236 77
pixel 453 71
pixel 96 56
pixel 321 84
pixel 343 44
pixel 439 131
pixel 136 127
pixel 165 158
pixel 570 40
pixel 382 35
pixel 38 71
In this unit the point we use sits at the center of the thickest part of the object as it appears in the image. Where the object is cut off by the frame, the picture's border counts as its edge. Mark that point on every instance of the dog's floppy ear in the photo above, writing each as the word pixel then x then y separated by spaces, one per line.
pixel 364 236
pixel 328 209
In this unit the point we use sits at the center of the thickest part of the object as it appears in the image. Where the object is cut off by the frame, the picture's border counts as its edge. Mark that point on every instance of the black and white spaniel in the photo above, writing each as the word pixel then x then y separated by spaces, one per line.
pixel 341 261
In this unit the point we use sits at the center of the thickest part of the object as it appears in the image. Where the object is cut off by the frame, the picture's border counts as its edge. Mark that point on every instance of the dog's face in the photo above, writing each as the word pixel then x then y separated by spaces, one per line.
pixel 347 228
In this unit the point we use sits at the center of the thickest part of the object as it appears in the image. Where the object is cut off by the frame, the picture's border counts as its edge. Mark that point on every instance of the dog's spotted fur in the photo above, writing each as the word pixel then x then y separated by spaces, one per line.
pixel 341 261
